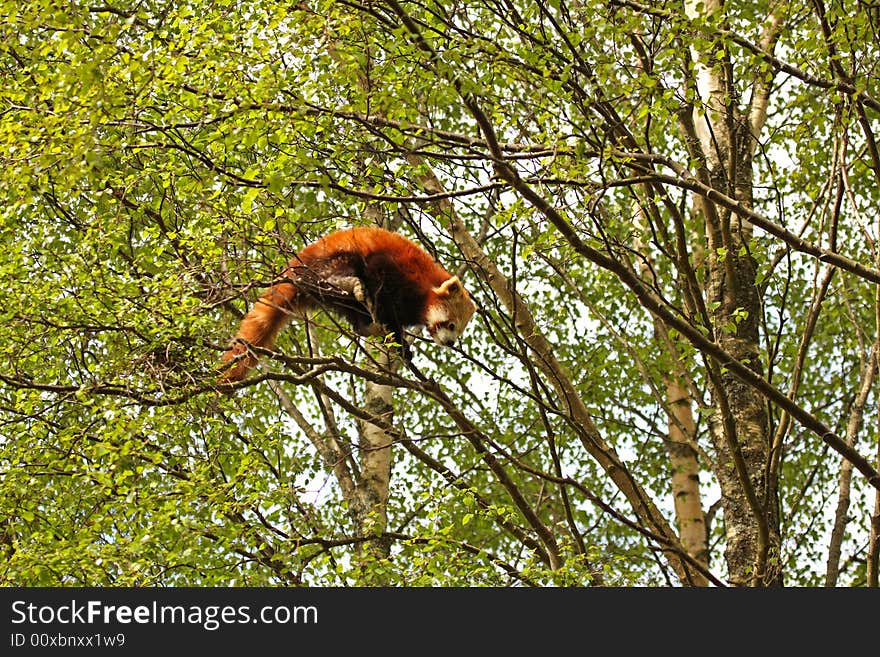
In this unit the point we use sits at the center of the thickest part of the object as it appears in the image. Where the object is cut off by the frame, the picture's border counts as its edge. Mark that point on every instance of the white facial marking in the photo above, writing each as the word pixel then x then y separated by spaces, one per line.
pixel 437 318
pixel 445 337
pixel 436 315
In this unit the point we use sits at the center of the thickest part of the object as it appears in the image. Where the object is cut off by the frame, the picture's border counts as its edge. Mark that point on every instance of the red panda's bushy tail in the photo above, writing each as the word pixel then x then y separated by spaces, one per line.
pixel 260 326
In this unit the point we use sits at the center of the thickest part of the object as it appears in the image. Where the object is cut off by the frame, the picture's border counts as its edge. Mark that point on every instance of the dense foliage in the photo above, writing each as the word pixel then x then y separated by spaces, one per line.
pixel 161 162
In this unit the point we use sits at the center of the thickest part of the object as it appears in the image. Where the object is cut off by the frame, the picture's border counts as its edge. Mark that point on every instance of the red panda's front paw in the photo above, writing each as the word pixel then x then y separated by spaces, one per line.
pixel 357 289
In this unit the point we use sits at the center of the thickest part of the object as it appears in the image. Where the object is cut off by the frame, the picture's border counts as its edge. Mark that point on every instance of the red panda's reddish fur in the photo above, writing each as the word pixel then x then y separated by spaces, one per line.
pixel 378 280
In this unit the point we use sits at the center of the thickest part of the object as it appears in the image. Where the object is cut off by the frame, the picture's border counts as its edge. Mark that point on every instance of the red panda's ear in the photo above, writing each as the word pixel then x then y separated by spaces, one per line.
pixel 449 287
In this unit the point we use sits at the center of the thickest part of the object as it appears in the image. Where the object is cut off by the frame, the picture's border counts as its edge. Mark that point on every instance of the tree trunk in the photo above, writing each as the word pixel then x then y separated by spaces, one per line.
pixel 685 473
pixel 724 138
pixel 371 510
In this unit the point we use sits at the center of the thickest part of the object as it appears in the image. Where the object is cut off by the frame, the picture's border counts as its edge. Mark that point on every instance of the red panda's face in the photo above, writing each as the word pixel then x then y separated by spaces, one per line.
pixel 449 311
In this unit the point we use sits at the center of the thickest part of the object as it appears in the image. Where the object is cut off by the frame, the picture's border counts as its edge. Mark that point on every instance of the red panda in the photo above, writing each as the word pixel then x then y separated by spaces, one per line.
pixel 378 280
